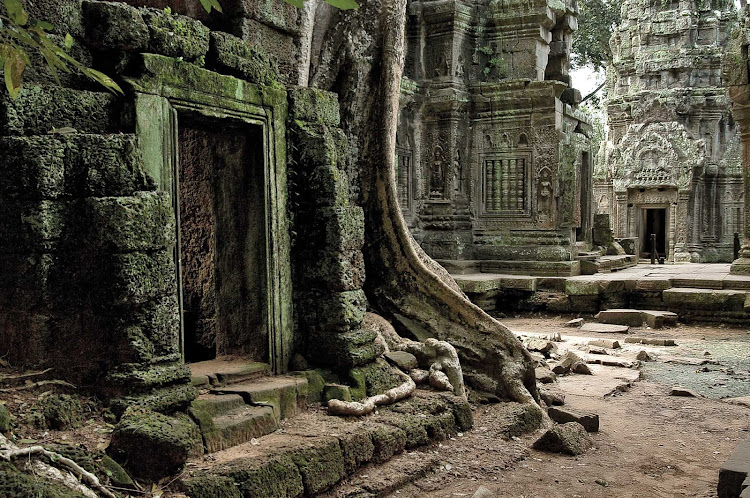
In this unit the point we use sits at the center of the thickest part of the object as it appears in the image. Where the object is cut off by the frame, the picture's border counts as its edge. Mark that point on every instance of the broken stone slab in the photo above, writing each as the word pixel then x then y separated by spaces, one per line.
pixel 605 328
pixel 544 375
pixel 597 350
pixel 403 360
pixel 581 368
pixel 659 319
pixel 570 438
pixel 605 343
pixel 539 359
pixel 551 396
pixel 741 401
pixel 734 471
pixel 483 492
pixel 541 346
pixel 566 363
pixel 643 356
pixel 589 421
pixel 651 341
pixel 631 318
pixel 610 361
pixel 577 322
pixel 694 362
pixel 336 391
pixel 684 393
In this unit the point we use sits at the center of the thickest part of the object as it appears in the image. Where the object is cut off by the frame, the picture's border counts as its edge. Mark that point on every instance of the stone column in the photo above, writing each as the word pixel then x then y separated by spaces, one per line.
pixel 741 113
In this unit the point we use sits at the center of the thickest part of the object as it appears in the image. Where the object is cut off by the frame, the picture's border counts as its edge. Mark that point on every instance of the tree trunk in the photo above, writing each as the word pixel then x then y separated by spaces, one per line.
pixel 361 57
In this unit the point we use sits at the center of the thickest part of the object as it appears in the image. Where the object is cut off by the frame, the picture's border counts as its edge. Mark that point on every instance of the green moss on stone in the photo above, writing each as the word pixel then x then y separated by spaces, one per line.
pixel 317 145
pixel 38 110
pixel 313 105
pixel 17 484
pixel 175 35
pixel 152 445
pixel 115 26
pixel 387 441
pixel 5 418
pixel 375 378
pixel 321 465
pixel 357 449
pixel 277 476
pixel 210 486
pixel 232 55
pixel 58 412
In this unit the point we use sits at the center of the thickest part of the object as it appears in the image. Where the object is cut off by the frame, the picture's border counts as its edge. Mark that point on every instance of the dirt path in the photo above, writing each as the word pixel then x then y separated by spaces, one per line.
pixel 649 444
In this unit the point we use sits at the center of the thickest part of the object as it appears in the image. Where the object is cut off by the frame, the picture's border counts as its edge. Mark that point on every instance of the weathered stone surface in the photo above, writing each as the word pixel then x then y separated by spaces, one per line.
pixel 39 110
pixel 603 328
pixel 605 343
pixel 545 375
pixel 336 391
pixel 314 106
pixel 5 418
pixel 58 412
pixel 542 346
pixel 734 471
pixel 232 55
pixel 570 438
pixel 589 421
pixel 659 319
pixel 682 392
pixel 483 492
pixel 170 441
pixel 576 322
pixel 632 318
pixel 566 363
pixel 176 36
pixel 552 397
pixel 115 26
pixel 405 361
pixel 652 341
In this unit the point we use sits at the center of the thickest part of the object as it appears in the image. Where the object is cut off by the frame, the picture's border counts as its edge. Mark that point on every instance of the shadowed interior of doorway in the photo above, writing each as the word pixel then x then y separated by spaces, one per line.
pixel 222 239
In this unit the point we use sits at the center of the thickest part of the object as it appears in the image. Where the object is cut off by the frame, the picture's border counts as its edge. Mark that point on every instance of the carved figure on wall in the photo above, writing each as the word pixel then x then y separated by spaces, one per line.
pixel 458 173
pixel 545 195
pixel 437 173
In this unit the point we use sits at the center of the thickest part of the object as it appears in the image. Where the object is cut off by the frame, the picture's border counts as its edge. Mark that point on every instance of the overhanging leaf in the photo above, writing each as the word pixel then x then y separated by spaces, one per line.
pixel 16 12
pixel 68 42
pixel 344 4
pixel 15 64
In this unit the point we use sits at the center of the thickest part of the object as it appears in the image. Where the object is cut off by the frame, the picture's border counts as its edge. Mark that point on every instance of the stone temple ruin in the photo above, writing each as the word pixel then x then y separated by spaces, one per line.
pixel 672 163
pixel 494 160
pixel 197 254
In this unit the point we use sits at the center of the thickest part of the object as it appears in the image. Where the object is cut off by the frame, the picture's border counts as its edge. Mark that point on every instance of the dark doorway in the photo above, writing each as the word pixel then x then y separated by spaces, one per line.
pixel 655 222
pixel 222 233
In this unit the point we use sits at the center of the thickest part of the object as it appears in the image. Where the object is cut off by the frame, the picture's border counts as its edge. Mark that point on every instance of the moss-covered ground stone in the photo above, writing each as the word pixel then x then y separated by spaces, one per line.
pixel 151 445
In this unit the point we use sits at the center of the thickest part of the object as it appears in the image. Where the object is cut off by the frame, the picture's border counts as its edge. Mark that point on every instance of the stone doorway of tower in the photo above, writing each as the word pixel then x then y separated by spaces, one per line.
pixel 654 220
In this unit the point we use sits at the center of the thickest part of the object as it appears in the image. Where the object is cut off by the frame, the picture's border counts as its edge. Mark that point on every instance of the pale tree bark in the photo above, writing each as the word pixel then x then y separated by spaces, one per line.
pixel 361 57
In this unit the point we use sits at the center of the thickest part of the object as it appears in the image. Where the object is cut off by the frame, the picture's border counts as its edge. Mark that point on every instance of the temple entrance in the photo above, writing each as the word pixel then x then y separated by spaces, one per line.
pixel 654 222
pixel 222 239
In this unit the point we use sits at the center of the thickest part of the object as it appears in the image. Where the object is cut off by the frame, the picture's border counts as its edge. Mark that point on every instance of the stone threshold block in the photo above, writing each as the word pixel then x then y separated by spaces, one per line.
pixel 734 472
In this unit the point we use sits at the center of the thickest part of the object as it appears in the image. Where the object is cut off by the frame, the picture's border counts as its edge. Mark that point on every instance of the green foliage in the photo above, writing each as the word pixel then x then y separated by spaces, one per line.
pixel 596 22
pixel 19 34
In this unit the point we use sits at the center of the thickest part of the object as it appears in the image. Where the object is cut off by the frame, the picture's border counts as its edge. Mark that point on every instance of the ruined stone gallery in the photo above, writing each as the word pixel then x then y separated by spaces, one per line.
pixel 672 163
pixel 231 275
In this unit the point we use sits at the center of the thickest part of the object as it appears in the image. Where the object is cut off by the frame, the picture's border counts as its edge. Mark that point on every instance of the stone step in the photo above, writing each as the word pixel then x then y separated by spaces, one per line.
pixel 734 472
pixel 224 371
pixel 632 318
pixel 286 395
pixel 226 420
pixel 605 328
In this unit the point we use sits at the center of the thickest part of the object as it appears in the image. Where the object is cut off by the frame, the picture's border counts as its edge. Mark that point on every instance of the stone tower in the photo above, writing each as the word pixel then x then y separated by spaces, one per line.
pixel 671 165
pixel 493 157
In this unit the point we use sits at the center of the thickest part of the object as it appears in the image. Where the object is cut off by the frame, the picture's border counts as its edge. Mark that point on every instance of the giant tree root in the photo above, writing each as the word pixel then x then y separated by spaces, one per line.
pixel 9 452
pixel 356 409
pixel 361 57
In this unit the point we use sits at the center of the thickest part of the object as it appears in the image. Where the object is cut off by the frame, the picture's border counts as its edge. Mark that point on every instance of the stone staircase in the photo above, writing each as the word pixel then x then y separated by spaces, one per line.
pixel 241 401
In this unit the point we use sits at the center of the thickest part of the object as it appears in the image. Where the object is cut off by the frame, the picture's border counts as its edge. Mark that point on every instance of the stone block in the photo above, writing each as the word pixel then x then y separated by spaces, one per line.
pixel 24 281
pixel 39 110
pixel 605 343
pixel 32 167
pixel 659 319
pixel 357 449
pixel 32 226
pixel 403 360
pixel 570 438
pixel 171 441
pixel 336 391
pixel 603 328
pixel 27 337
pixel 279 15
pixel 280 45
pixel 387 441
pixel 705 299
pixel 321 465
pixel 582 287
pixel 329 187
pixel 335 271
pixel 317 145
pixel 64 15
pixel 274 476
pixel 589 421
pixel 141 222
pixel 115 26
pixel 176 36
pixel 137 277
pixel 232 55
pixel 314 106
pixel 653 284
pixel 342 310
pixel 632 318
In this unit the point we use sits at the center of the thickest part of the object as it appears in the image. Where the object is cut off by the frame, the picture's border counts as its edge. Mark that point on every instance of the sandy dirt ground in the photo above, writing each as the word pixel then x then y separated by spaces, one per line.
pixel 650 444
